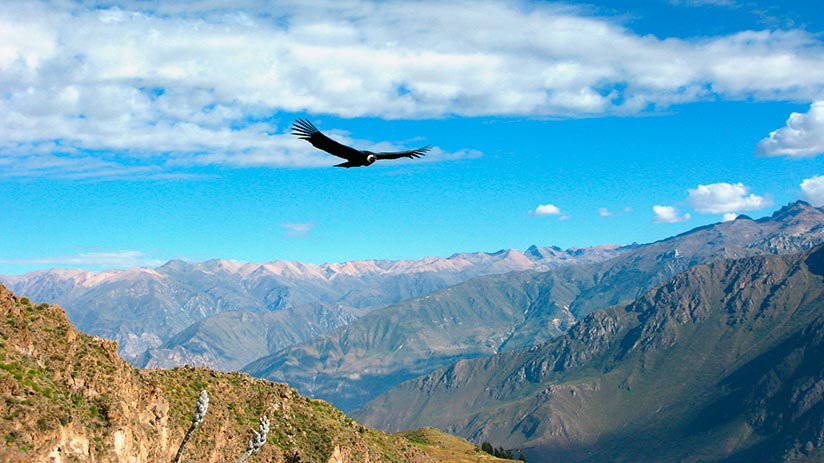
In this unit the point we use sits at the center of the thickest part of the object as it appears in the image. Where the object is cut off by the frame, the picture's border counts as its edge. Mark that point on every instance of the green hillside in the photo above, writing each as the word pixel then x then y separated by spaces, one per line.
pixel 448 448
pixel 67 395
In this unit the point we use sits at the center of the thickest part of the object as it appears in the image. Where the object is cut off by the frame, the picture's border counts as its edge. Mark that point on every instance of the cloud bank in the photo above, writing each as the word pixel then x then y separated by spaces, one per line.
pixel 153 89
pixel 96 259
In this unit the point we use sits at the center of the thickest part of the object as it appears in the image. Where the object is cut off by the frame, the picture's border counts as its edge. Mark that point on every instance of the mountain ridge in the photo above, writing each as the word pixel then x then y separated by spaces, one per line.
pixel 348 365
pixel 143 308
pixel 719 363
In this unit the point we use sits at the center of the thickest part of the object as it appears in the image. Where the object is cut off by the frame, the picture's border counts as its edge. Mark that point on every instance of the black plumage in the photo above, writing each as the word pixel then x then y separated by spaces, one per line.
pixel 354 157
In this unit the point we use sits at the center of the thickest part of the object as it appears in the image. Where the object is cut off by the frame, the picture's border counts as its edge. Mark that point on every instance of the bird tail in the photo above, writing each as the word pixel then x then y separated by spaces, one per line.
pixel 348 164
pixel 304 129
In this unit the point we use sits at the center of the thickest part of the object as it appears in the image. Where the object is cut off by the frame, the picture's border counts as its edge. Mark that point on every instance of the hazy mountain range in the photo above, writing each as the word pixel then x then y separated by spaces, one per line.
pixel 483 316
pixel 179 313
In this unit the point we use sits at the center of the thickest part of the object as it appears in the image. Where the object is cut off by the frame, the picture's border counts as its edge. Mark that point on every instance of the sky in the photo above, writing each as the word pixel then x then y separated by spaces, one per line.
pixel 136 132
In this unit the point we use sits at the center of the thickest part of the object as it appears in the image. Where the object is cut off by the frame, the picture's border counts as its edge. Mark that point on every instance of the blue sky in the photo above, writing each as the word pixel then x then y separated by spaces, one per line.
pixel 134 134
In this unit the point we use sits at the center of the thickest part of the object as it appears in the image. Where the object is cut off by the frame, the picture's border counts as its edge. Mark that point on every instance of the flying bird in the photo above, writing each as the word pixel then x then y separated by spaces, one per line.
pixel 354 157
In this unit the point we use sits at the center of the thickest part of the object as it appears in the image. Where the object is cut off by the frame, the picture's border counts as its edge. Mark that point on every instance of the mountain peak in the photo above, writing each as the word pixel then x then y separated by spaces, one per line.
pixel 793 210
pixel 176 265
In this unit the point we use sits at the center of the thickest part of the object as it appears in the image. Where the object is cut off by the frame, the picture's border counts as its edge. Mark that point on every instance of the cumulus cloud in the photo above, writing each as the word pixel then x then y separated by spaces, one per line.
pixel 729 217
pixel 813 189
pixel 802 136
pixel 668 214
pixel 95 259
pixel 297 229
pixel 546 209
pixel 156 88
pixel 721 198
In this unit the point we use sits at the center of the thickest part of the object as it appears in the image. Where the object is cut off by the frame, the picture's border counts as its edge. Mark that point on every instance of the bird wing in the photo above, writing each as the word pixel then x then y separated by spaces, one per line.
pixel 307 131
pixel 416 153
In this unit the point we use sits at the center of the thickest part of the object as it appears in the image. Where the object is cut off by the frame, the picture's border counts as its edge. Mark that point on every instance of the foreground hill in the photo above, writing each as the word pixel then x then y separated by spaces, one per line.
pixel 161 317
pixel 724 362
pixel 448 448
pixel 67 396
pixel 352 364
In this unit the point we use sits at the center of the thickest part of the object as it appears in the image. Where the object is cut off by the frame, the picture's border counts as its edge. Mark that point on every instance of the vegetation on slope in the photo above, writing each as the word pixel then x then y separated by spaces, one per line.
pixel 448 448
pixel 68 396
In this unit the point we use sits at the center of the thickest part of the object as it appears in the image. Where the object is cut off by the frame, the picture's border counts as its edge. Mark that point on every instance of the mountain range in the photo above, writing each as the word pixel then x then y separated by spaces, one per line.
pixel 724 362
pixel 162 317
pixel 354 363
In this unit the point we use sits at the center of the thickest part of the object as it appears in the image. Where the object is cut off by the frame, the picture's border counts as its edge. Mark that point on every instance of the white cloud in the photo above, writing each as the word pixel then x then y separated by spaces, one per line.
pixel 813 189
pixel 803 136
pixel 720 198
pixel 668 214
pixel 605 212
pixel 297 229
pixel 547 209
pixel 164 87
pixel 729 217
pixel 90 260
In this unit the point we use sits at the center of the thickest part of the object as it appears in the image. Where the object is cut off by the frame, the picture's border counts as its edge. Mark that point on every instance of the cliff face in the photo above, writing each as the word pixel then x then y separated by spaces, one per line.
pixel 67 397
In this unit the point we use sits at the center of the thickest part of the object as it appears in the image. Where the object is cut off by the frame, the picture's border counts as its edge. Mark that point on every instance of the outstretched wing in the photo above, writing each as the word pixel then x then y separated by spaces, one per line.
pixel 307 131
pixel 416 153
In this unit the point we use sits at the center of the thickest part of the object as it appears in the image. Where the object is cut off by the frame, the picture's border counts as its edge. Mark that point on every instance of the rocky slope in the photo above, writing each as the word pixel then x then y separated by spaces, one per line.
pixel 148 309
pixel 379 350
pixel 352 364
pixel 66 396
pixel 229 340
pixel 721 363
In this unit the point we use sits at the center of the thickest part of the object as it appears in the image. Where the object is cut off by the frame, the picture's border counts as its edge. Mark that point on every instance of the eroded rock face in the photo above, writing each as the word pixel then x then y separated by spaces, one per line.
pixel 67 397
